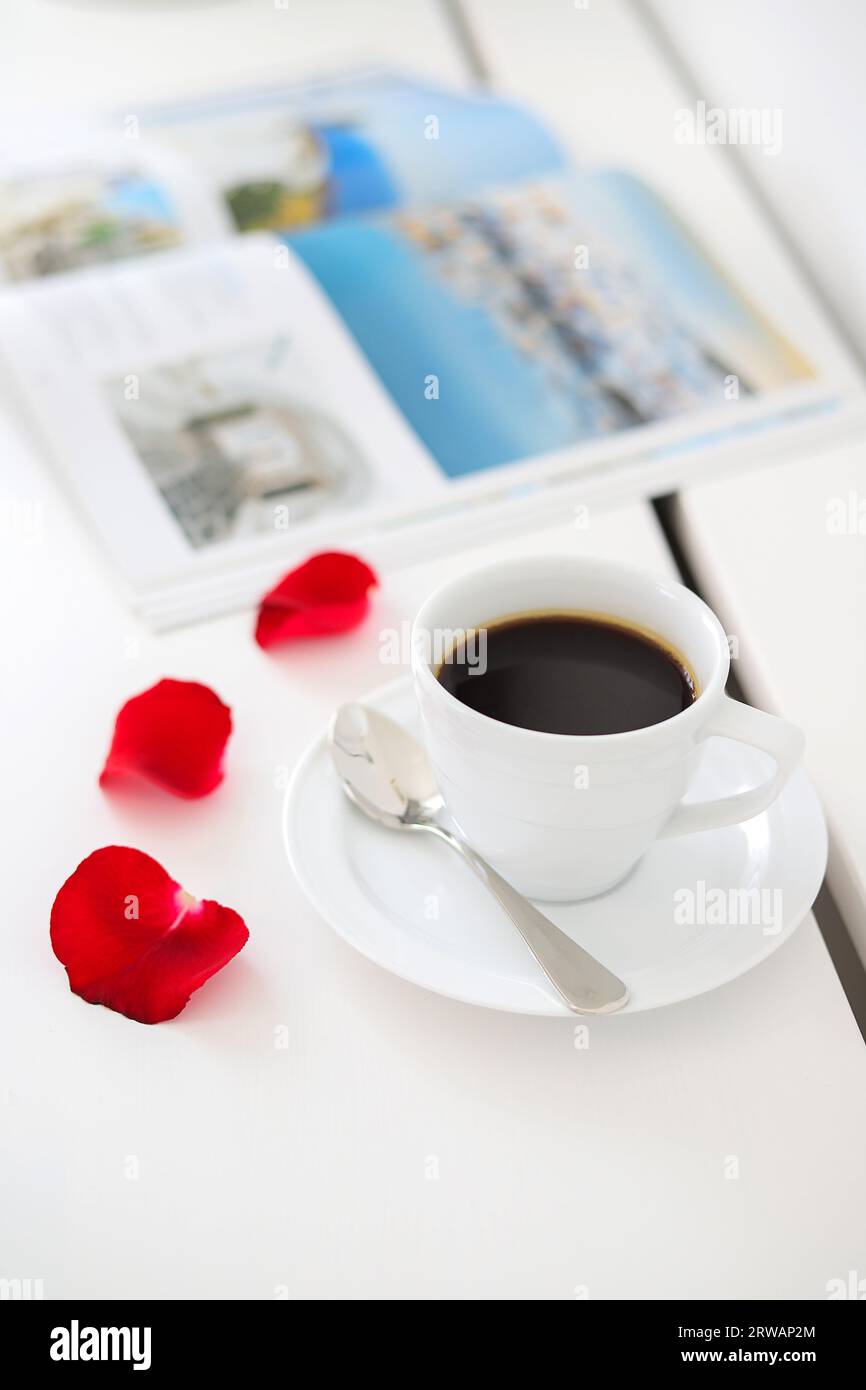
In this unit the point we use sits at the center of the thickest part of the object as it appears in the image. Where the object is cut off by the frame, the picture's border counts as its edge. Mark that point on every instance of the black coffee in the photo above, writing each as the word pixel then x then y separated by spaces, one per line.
pixel 567 674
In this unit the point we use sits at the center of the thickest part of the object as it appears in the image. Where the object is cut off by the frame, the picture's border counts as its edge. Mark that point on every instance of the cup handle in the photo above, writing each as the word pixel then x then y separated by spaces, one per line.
pixel 783 741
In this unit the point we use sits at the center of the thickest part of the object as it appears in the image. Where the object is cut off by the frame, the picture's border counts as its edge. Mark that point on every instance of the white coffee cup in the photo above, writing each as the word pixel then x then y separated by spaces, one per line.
pixel 567 816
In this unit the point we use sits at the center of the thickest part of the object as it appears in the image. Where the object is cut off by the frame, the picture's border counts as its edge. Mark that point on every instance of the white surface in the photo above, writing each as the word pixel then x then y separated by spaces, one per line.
pixel 80 55
pixel 312 1167
pixel 807 64
pixel 793 592
pixel 408 902
pixel 398 1144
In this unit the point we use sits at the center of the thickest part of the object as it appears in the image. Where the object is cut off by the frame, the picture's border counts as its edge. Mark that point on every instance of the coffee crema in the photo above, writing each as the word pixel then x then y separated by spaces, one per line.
pixel 569 673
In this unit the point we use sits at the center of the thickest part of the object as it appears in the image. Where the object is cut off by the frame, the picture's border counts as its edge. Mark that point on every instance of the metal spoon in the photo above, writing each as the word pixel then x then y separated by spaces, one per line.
pixel 385 772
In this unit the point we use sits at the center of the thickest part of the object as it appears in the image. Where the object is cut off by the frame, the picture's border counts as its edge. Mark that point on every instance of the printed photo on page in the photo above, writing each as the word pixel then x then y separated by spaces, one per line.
pixel 73 196
pixel 547 315
pixel 288 157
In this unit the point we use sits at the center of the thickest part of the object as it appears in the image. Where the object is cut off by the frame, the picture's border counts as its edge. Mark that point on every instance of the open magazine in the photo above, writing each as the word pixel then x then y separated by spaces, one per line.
pixel 361 313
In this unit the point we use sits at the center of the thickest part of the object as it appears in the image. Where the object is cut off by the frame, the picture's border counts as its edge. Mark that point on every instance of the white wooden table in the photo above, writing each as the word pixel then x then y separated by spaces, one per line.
pixel 802 617
pixel 802 620
pixel 401 1145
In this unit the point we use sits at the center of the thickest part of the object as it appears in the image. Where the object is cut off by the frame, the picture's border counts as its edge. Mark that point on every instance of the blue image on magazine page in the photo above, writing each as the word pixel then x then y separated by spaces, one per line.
pixel 291 157
pixel 531 318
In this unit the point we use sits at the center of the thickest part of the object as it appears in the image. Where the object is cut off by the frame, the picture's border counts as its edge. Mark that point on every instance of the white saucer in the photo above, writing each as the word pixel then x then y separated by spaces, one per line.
pixel 408 902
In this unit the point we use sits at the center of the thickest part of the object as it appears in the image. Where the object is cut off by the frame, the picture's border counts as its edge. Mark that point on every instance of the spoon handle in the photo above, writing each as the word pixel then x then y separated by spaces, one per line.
pixel 584 983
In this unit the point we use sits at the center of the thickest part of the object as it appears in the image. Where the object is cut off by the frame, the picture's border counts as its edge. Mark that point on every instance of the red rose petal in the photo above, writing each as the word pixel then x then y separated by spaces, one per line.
pixel 133 940
pixel 173 734
pixel 326 594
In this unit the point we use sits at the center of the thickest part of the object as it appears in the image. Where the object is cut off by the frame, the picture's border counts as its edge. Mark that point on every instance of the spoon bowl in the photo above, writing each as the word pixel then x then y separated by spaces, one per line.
pixel 387 774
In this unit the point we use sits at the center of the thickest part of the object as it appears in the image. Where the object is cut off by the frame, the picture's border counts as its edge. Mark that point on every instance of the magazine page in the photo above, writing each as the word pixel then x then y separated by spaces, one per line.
pixel 377 380
pixel 210 413
pixel 552 316
pixel 284 157
pixel 415 334
pixel 78 194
